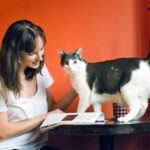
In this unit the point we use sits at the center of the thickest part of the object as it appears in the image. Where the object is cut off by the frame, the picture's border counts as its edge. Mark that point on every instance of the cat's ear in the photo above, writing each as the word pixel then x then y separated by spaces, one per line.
pixel 79 51
pixel 61 53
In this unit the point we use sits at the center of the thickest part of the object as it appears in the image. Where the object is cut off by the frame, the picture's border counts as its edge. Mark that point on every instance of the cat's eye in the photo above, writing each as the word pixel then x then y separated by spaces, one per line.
pixel 66 63
pixel 75 62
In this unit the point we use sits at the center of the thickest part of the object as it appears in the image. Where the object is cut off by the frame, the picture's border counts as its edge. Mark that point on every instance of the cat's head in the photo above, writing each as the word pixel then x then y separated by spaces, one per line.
pixel 71 62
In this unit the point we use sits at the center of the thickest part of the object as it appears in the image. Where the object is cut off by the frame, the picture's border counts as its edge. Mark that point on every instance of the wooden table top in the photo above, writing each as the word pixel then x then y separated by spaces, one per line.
pixel 108 127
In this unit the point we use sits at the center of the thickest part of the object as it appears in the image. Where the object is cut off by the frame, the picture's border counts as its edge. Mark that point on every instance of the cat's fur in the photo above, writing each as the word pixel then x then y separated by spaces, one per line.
pixel 125 81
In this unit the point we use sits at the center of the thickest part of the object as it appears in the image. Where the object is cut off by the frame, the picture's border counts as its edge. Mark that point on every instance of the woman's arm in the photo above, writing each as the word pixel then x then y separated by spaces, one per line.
pixel 63 103
pixel 10 129
pixel 17 128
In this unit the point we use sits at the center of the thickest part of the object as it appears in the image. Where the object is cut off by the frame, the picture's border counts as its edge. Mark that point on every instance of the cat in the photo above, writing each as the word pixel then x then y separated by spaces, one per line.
pixel 125 81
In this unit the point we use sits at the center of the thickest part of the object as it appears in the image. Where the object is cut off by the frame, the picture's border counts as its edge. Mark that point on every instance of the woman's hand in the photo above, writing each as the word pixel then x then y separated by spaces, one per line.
pixel 57 111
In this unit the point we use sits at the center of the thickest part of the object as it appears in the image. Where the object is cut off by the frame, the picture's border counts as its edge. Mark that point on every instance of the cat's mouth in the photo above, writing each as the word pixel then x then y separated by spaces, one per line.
pixel 71 71
pixel 68 70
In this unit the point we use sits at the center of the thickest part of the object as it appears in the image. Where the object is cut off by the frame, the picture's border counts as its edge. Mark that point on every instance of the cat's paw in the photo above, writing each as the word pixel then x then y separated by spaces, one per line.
pixel 120 119
pixel 123 119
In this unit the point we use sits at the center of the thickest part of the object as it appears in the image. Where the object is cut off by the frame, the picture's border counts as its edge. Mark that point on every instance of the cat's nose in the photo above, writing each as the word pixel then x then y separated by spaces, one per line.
pixel 70 69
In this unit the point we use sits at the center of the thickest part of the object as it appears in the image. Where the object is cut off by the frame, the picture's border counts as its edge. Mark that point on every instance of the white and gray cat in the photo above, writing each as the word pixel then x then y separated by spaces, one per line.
pixel 125 81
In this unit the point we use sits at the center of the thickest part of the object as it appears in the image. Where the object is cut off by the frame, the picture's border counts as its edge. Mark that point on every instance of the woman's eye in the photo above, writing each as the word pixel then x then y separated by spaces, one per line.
pixel 31 53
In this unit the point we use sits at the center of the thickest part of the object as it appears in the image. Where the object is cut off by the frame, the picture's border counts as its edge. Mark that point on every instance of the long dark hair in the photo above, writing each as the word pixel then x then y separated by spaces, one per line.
pixel 20 36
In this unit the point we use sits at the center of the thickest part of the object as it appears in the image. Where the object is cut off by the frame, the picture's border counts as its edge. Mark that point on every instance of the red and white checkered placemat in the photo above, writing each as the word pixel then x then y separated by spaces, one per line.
pixel 119 111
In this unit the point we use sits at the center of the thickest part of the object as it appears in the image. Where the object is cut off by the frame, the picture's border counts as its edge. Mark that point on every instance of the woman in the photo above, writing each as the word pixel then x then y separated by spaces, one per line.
pixel 25 96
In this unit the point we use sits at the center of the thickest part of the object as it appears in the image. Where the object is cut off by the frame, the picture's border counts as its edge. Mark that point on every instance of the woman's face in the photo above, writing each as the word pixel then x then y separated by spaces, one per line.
pixel 33 59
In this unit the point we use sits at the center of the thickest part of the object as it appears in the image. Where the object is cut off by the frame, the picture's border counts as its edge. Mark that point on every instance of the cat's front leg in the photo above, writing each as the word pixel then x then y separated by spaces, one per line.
pixel 97 107
pixel 83 103
pixel 95 101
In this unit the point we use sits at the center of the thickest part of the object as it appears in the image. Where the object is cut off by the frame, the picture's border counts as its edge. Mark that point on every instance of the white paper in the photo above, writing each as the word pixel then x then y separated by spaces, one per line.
pixel 56 119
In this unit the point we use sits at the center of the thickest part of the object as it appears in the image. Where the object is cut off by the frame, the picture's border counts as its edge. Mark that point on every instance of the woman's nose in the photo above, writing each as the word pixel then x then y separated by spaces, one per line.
pixel 39 56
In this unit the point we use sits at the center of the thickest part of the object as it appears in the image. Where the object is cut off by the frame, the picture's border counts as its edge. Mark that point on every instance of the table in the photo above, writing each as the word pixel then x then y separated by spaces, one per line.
pixel 105 130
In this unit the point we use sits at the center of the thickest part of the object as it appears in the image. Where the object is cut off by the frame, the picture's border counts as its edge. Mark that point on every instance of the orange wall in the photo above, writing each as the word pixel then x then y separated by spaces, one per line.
pixel 104 29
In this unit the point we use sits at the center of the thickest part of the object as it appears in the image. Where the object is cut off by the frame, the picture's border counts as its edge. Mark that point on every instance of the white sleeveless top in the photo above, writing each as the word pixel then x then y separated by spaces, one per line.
pixel 19 108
